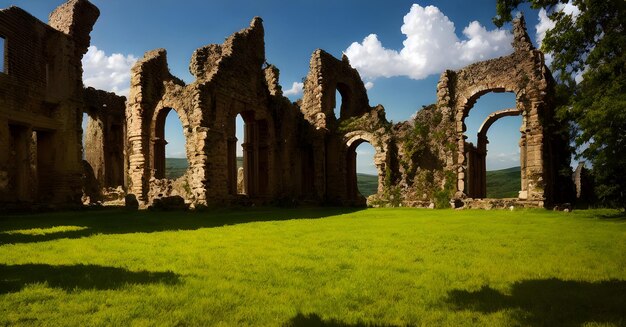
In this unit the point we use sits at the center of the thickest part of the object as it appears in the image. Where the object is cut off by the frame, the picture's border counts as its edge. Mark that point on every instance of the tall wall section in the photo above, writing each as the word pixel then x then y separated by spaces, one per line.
pixel 41 103
pixel 231 79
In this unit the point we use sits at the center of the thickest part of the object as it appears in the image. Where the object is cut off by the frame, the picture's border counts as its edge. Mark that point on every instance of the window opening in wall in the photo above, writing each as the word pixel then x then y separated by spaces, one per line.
pixel 240 134
pixel 2 54
pixel 338 103
pixel 175 151
pixel 84 124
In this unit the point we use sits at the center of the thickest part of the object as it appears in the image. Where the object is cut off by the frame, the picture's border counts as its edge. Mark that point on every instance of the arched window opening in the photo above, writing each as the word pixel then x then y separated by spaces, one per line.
pixel 493 147
pixel 366 171
pixel 169 156
pixel 361 172
pixel 338 103
pixel 175 150
pixel 342 101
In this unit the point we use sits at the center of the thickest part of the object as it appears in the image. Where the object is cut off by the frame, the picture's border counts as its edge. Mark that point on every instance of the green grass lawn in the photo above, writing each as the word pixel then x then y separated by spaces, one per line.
pixel 314 267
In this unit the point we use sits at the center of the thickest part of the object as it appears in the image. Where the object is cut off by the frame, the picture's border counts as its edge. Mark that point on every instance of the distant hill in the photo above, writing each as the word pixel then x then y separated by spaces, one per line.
pixel 367 184
pixel 504 183
pixel 175 167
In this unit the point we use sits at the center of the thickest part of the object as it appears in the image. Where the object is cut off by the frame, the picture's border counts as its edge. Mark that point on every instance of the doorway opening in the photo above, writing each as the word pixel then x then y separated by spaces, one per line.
pixel 493 151
pixel 169 152
pixel 362 173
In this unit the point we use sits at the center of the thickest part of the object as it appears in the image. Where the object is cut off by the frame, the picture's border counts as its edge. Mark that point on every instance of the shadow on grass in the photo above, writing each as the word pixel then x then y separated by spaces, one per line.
pixel 617 216
pixel 119 221
pixel 314 320
pixel 78 277
pixel 551 302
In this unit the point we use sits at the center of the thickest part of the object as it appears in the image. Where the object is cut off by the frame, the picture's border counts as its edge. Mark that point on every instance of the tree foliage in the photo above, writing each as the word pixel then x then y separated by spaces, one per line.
pixel 590 45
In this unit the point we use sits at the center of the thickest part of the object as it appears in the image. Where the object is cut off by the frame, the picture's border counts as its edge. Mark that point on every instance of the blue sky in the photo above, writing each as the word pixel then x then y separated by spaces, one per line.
pixel 399 79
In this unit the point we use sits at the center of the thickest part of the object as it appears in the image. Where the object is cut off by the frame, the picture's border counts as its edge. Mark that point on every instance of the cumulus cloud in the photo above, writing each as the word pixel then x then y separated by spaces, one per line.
pixel 503 160
pixel 296 89
pixel 109 73
pixel 369 85
pixel 545 24
pixel 431 46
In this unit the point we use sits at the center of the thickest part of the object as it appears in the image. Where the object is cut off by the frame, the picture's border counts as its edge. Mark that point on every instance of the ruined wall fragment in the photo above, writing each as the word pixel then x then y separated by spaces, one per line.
pixel 230 80
pixel 41 103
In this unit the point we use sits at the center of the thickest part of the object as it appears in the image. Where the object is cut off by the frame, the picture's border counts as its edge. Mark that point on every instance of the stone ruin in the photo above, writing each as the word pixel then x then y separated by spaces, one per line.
pixel 41 104
pixel 293 152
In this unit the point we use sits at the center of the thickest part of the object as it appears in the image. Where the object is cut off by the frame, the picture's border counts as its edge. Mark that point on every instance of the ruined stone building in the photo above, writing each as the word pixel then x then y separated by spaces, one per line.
pixel 292 152
pixel 41 103
pixel 305 152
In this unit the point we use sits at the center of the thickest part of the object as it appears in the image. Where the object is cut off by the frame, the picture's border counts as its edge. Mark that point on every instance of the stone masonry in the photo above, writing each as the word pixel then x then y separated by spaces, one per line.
pixel 292 152
pixel 41 103
pixel 524 73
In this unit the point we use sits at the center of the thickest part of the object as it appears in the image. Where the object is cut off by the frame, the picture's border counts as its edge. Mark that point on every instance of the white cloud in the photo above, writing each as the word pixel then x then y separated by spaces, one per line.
pixel 503 160
pixel 545 24
pixel 109 73
pixel 431 46
pixel 369 85
pixel 296 89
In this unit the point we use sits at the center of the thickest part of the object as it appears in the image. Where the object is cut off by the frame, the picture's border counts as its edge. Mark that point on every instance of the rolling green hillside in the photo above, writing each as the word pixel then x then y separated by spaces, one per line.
pixel 504 183
pixel 175 167
pixel 367 184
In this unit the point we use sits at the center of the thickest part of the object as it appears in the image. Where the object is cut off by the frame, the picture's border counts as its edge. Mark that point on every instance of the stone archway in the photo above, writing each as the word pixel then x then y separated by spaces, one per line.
pixel 524 73
pixel 476 178
pixel 158 141
pixel 352 140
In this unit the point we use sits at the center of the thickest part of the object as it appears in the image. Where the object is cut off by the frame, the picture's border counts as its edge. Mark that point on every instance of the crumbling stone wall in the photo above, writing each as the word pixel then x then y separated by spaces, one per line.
pixel 292 151
pixel 524 73
pixel 231 79
pixel 335 139
pixel 41 103
pixel 424 153
pixel 105 136
pixel 434 162
pixel 310 154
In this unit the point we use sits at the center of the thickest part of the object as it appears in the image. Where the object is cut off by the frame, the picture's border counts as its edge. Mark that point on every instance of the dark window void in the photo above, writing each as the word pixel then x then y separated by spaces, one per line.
pixel 342 109
pixel 2 54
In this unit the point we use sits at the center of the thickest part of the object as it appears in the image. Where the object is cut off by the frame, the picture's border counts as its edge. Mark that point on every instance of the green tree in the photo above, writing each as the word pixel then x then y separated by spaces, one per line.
pixel 591 44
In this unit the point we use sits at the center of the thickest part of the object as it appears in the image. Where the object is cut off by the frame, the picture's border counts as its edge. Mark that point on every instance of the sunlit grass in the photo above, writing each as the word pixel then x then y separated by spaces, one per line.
pixel 45 231
pixel 324 267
